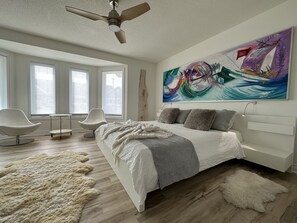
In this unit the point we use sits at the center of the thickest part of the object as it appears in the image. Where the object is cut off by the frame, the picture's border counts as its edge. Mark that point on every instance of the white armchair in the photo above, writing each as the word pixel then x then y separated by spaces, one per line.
pixel 94 119
pixel 14 122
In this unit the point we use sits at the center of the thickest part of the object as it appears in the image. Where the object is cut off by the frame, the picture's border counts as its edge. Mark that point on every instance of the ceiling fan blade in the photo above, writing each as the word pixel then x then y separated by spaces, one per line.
pixel 86 14
pixel 121 36
pixel 134 12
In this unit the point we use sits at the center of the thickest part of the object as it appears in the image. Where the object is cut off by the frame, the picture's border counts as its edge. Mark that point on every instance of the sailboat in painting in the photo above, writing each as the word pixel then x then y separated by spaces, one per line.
pixel 265 59
pixel 257 70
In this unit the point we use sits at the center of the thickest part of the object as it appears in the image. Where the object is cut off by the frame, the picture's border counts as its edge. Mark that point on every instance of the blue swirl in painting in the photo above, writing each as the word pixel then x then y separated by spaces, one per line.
pixel 252 71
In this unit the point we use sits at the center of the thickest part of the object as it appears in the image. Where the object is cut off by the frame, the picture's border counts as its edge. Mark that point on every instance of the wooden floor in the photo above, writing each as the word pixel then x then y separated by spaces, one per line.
pixel 194 200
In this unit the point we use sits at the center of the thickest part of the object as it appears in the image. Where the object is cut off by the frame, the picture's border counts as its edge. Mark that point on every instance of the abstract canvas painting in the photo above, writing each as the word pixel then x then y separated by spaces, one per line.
pixel 253 71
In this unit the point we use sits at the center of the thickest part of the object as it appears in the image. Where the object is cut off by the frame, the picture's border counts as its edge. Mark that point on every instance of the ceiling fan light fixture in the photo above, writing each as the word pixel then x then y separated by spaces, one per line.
pixel 114 28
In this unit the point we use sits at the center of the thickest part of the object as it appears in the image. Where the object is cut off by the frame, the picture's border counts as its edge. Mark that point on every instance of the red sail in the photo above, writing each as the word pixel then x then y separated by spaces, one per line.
pixel 243 52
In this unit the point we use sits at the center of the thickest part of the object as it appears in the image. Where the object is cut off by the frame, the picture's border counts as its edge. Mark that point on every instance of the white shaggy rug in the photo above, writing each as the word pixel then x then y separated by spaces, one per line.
pixel 46 188
pixel 248 190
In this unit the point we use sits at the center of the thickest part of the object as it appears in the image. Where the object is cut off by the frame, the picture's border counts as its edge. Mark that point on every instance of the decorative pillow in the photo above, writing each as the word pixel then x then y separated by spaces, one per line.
pixel 169 115
pixel 224 120
pixel 183 114
pixel 200 119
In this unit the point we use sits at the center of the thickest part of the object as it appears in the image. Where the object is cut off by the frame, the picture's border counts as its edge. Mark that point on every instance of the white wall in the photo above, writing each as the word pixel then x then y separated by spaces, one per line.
pixel 133 67
pixel 274 20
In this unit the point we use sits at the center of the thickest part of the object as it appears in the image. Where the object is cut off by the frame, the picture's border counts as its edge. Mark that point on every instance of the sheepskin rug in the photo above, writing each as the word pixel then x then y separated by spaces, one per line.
pixel 249 190
pixel 46 188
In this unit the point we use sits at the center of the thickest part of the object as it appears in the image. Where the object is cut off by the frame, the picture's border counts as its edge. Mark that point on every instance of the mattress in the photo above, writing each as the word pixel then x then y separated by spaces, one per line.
pixel 212 148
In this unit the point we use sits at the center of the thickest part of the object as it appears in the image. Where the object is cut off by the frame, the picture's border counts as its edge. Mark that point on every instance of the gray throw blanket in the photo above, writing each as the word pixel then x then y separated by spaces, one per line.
pixel 174 157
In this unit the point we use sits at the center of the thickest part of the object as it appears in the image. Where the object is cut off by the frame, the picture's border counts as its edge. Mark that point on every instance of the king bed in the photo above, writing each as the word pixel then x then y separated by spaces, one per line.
pixel 134 163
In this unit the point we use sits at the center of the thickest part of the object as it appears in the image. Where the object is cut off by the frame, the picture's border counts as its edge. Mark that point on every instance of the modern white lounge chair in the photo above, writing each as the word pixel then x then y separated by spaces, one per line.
pixel 94 119
pixel 14 122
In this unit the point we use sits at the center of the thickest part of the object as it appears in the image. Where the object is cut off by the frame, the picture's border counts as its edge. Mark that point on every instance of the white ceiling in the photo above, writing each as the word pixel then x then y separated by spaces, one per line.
pixel 168 28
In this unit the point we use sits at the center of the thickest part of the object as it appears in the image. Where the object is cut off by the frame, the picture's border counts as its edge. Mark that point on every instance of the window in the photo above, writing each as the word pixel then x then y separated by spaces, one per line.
pixel 43 97
pixel 3 82
pixel 112 92
pixel 79 92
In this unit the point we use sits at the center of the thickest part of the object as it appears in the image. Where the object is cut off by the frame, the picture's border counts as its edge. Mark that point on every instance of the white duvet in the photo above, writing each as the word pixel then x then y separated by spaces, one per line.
pixel 212 147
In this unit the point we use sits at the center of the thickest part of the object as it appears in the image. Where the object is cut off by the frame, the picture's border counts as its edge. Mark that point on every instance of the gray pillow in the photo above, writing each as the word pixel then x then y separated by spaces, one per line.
pixel 183 114
pixel 224 120
pixel 169 115
pixel 200 119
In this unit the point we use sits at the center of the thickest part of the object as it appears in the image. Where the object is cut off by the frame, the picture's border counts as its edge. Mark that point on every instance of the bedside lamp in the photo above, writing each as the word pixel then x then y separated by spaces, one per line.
pixel 251 102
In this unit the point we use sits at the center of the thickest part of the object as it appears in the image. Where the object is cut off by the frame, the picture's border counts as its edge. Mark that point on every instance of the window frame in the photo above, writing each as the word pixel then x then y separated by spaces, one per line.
pixel 32 64
pixel 70 79
pixel 110 70
pixel 7 78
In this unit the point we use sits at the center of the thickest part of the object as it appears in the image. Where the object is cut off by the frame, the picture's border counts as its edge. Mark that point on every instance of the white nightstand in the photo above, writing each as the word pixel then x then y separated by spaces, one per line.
pixel 269 140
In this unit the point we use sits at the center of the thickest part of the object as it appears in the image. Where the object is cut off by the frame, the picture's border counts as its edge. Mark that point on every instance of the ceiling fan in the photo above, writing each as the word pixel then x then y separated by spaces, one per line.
pixel 114 20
